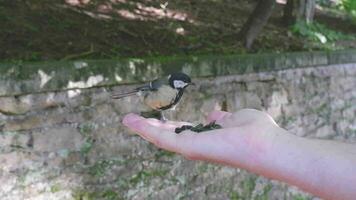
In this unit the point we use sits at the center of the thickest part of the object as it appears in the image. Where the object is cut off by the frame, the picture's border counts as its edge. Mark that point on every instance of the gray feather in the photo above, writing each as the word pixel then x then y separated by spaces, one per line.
pixel 151 86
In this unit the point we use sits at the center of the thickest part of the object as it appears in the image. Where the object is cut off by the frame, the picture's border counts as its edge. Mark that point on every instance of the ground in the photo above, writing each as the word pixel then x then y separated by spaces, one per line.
pixel 34 30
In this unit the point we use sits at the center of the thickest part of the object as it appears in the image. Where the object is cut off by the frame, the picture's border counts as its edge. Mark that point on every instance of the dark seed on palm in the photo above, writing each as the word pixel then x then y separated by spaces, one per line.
pixel 182 128
pixel 185 127
pixel 198 128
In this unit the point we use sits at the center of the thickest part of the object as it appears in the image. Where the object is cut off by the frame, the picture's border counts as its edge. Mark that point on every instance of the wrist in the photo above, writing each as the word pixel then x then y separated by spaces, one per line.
pixel 288 159
pixel 255 150
pixel 280 152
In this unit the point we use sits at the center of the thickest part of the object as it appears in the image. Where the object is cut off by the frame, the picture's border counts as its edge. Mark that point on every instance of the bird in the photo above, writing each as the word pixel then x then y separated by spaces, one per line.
pixel 161 94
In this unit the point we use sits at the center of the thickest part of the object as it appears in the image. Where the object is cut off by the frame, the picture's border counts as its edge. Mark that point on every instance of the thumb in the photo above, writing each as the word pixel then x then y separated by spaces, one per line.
pixel 217 116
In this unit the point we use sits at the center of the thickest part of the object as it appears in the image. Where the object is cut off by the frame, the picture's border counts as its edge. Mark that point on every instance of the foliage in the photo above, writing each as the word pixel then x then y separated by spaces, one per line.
pixel 53 30
pixel 349 6
pixel 346 5
pixel 319 34
pixel 328 3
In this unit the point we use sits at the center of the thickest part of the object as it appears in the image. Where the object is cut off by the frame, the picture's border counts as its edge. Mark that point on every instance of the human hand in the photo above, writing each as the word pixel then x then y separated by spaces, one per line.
pixel 242 142
pixel 251 140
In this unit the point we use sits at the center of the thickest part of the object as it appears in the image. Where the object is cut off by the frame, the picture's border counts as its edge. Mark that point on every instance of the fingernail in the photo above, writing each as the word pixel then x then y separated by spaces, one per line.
pixel 131 118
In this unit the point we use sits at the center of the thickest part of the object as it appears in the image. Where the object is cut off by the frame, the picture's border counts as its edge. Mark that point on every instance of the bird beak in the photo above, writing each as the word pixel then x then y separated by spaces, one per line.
pixel 191 83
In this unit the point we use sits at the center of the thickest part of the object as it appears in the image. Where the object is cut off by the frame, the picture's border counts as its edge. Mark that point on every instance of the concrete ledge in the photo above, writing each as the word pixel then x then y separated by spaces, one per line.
pixel 24 78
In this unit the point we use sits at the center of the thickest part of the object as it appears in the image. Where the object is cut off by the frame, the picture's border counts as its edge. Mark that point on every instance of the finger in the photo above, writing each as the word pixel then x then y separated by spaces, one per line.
pixel 167 125
pixel 217 116
pixel 187 143
pixel 155 134
pixel 140 125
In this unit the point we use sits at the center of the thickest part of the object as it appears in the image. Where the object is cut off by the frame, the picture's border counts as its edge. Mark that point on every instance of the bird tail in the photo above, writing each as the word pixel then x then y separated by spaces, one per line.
pixel 123 95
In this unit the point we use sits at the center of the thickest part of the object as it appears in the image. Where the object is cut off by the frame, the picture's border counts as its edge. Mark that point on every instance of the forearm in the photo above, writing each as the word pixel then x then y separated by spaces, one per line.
pixel 251 140
pixel 324 168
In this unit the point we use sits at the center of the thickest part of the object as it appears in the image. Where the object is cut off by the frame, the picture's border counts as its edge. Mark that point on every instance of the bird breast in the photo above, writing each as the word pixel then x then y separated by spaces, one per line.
pixel 164 96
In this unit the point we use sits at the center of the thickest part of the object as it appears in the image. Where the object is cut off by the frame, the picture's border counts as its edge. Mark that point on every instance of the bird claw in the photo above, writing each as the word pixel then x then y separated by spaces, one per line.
pixel 163 118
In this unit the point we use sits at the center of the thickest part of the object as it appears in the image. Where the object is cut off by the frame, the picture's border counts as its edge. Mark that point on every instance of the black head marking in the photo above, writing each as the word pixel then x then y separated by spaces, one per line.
pixel 179 80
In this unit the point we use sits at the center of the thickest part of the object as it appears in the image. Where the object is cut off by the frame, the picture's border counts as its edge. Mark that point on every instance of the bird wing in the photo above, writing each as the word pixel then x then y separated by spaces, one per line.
pixel 151 86
pixel 122 95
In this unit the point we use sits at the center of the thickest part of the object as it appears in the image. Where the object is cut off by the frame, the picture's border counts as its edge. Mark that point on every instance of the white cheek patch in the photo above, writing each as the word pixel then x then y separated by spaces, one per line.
pixel 179 84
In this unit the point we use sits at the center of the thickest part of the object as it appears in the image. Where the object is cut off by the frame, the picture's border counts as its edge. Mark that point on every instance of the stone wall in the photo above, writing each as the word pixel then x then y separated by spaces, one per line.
pixel 65 140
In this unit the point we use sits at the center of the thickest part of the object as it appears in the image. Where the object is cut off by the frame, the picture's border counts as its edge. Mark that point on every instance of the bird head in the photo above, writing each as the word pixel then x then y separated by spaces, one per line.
pixel 179 80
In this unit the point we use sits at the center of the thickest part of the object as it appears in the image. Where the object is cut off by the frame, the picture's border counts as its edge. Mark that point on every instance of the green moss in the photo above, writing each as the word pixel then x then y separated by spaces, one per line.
pixel 55 188
pixel 83 195
pixel 323 111
pixel 319 109
pixel 86 130
pixel 264 195
pixel 107 194
pixel 300 197
pixel 86 147
pixel 163 153
pixel 123 183
pixel 234 195
pixel 248 185
pixel 146 175
pixel 140 70
pixel 110 195
pixel 99 168
pixel 203 167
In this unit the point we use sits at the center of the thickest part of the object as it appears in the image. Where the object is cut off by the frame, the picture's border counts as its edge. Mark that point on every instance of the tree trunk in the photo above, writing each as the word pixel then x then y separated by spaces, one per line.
pixel 288 18
pixel 256 21
pixel 299 10
pixel 308 11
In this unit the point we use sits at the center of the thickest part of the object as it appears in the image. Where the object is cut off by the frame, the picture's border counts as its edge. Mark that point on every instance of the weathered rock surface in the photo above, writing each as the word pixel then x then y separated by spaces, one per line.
pixel 71 145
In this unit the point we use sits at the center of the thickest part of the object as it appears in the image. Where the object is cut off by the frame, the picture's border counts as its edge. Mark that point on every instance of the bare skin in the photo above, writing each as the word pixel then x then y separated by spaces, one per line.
pixel 251 140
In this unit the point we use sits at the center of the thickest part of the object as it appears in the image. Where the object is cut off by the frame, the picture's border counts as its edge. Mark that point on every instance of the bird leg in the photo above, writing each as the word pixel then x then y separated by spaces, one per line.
pixel 163 118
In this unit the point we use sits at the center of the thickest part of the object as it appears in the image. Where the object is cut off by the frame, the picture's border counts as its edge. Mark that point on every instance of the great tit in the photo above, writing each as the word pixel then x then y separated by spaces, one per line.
pixel 161 94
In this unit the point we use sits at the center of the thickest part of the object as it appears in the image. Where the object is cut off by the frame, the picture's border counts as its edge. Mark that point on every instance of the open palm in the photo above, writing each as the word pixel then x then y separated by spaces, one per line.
pixel 244 137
